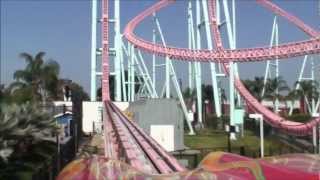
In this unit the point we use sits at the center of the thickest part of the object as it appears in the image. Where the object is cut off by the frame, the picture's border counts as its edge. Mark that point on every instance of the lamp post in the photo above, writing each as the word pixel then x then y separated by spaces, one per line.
pixel 259 117
pixel 318 128
pixel 230 129
pixel 206 102
pixel 315 134
pixel 58 151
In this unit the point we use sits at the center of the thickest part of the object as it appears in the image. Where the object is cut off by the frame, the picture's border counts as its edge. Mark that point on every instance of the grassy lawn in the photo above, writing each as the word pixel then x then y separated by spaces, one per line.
pixel 214 140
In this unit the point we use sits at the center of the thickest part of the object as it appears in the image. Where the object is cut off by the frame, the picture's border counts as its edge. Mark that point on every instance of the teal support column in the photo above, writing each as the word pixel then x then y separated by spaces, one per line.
pixel 132 73
pixel 175 82
pixel 118 50
pixel 197 64
pixel 93 86
pixel 215 91
pixel 154 58
pixel 123 80
pixel 129 72
pixel 231 67
pixel 268 66
pixel 277 69
pixel 190 45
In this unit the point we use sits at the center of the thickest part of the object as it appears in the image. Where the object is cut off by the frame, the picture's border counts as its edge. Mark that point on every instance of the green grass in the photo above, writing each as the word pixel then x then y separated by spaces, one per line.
pixel 214 140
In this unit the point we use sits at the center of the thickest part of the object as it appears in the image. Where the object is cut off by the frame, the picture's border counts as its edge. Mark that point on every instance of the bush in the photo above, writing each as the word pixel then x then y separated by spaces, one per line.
pixel 29 165
pixel 214 122
pixel 254 126
pixel 299 117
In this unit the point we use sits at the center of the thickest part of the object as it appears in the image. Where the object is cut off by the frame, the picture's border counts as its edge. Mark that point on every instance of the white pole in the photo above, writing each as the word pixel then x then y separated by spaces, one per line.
pixel 146 76
pixel 93 88
pixel 231 68
pixel 267 72
pixel 261 137
pixel 299 79
pixel 198 65
pixel 259 117
pixel 215 91
pixel 117 59
pixel 129 72
pixel 175 82
pixel 167 60
pixel 318 138
pixel 277 69
pixel 314 139
pixel 236 71
pixel 313 105
pixel 123 80
pixel 132 81
pixel 190 45
pixel 154 61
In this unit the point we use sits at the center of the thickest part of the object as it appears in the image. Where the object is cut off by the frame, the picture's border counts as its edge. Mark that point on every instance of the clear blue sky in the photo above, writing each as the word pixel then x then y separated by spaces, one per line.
pixel 61 28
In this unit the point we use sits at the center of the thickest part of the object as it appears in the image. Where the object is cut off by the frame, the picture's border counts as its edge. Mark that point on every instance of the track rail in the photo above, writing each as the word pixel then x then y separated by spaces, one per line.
pixel 224 56
pixel 283 51
pixel 273 119
pixel 137 148
pixel 300 24
pixel 105 50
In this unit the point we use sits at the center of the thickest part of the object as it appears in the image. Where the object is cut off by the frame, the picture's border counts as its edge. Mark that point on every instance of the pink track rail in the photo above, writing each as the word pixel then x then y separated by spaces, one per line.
pixel 137 148
pixel 283 51
pixel 221 55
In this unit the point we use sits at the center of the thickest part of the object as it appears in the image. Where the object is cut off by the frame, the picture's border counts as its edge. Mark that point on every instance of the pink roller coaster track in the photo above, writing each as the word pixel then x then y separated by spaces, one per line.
pixel 126 143
pixel 224 56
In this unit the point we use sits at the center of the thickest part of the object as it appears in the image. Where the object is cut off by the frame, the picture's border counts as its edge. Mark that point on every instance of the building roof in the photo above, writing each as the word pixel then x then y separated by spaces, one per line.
pixel 64 118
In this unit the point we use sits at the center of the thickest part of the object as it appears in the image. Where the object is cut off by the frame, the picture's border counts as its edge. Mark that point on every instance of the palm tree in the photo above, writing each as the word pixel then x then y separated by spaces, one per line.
pixel 255 87
pixel 1 92
pixel 308 90
pixel 207 92
pixel 39 79
pixel 274 89
pixel 189 93
pixel 189 96
pixel 21 126
pixel 293 96
pixel 223 97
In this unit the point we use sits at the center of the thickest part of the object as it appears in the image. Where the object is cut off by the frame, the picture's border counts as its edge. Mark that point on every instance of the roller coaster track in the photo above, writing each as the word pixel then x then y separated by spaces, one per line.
pixel 123 139
pixel 224 56
pixel 129 142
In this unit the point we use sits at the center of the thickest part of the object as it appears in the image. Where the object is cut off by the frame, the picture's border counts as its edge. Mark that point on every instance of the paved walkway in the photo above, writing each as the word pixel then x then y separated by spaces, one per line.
pixel 91 145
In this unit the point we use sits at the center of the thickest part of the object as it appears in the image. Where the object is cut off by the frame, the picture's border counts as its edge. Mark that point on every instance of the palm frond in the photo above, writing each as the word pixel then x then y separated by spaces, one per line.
pixel 27 57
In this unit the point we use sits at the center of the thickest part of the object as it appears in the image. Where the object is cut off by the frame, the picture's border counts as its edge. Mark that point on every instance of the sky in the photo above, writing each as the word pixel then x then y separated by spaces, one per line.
pixel 62 29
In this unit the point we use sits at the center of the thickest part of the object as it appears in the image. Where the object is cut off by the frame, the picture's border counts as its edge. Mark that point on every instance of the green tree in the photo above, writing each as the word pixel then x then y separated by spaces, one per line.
pixel 38 80
pixel 293 96
pixel 223 100
pixel 137 80
pixel 77 97
pixel 22 126
pixel 189 93
pixel 274 90
pixel 308 90
pixel 255 87
pixel 207 92
pixel 1 93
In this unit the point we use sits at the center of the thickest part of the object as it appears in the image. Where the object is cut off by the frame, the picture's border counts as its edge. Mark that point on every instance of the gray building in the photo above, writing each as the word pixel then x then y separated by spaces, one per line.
pixel 162 119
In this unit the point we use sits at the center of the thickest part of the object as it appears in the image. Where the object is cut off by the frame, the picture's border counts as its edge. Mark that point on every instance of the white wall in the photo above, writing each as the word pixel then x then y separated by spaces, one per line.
pixel 164 135
pixel 91 113
pixel 122 105
pixel 61 103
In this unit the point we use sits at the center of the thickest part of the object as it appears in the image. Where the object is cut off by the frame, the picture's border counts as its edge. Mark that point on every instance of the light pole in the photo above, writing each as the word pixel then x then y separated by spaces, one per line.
pixel 206 102
pixel 259 117
pixel 314 134
pixel 230 129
